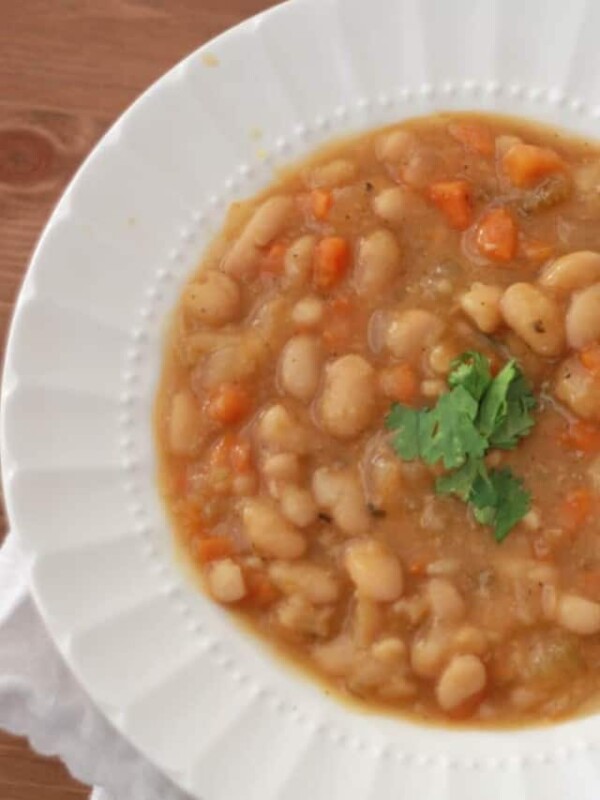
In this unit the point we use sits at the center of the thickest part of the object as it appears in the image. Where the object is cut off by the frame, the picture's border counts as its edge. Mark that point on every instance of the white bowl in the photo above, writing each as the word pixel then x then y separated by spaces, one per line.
pixel 206 702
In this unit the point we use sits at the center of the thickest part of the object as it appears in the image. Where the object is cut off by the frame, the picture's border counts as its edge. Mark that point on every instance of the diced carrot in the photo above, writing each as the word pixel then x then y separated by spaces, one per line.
pixel 321 203
pixel 497 235
pixel 339 322
pixel 331 262
pixel 526 164
pixel 401 383
pixel 536 251
pixel 212 548
pixel 582 436
pixel 260 592
pixel 453 199
pixel 474 136
pixel 241 456
pixel 590 358
pixel 575 508
pixel 274 259
pixel 229 403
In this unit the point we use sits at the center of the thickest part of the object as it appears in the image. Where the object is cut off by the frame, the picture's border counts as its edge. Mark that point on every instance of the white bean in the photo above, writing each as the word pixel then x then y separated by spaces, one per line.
pixel 269 532
pixel 279 470
pixel 184 423
pixel 300 367
pixel 410 333
pixel 308 312
pixel 367 621
pixel 213 299
pixel 445 601
pixel 441 357
pixel 226 581
pixel 578 615
pixel 378 263
pixel 482 304
pixel 391 651
pixel 384 480
pixel 315 583
pixel 375 570
pixel 279 430
pixel 267 222
pixel 335 173
pixel 427 653
pixel 535 317
pixel 236 359
pixel 298 614
pixel 242 259
pixel 395 204
pixel 463 678
pixel 583 318
pixel 297 505
pixel 298 260
pixel 335 657
pixel 578 388
pixel 469 639
pixel 340 492
pixel 395 145
pixel 347 403
pixel 573 271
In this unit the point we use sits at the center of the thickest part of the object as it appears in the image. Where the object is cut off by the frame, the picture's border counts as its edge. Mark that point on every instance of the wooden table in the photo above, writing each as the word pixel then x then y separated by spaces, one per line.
pixel 68 68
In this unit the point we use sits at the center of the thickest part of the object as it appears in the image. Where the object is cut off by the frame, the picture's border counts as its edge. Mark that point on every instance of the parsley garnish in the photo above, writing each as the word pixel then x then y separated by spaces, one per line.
pixel 477 413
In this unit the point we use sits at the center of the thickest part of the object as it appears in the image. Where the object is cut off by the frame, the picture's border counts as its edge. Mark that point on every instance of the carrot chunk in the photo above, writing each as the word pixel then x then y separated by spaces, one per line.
pixel 321 203
pixel 497 235
pixel 453 199
pixel 474 136
pixel 526 164
pixel 332 259
pixel 229 403
pixel 212 548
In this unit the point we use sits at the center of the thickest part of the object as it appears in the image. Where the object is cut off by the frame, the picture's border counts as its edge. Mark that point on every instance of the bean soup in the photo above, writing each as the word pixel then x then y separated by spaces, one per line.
pixel 378 422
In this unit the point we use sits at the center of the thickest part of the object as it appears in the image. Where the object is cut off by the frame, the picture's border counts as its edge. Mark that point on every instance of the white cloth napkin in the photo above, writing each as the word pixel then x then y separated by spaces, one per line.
pixel 40 699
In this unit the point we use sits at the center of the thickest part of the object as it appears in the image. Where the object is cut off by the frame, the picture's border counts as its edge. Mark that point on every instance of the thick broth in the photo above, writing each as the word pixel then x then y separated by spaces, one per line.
pixel 286 351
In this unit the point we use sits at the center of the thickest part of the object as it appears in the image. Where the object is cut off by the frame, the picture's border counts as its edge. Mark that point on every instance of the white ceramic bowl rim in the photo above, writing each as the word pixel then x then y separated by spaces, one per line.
pixel 164 665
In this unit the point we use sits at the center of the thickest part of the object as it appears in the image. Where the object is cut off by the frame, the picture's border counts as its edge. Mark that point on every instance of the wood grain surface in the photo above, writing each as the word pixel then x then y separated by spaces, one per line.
pixel 68 68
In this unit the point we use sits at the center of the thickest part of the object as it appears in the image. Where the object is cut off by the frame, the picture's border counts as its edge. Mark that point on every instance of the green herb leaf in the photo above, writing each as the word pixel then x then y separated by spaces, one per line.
pixel 449 433
pixel 513 502
pixel 404 422
pixel 471 370
pixel 499 499
pixel 460 481
pixel 478 412
pixel 518 421
pixel 504 413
